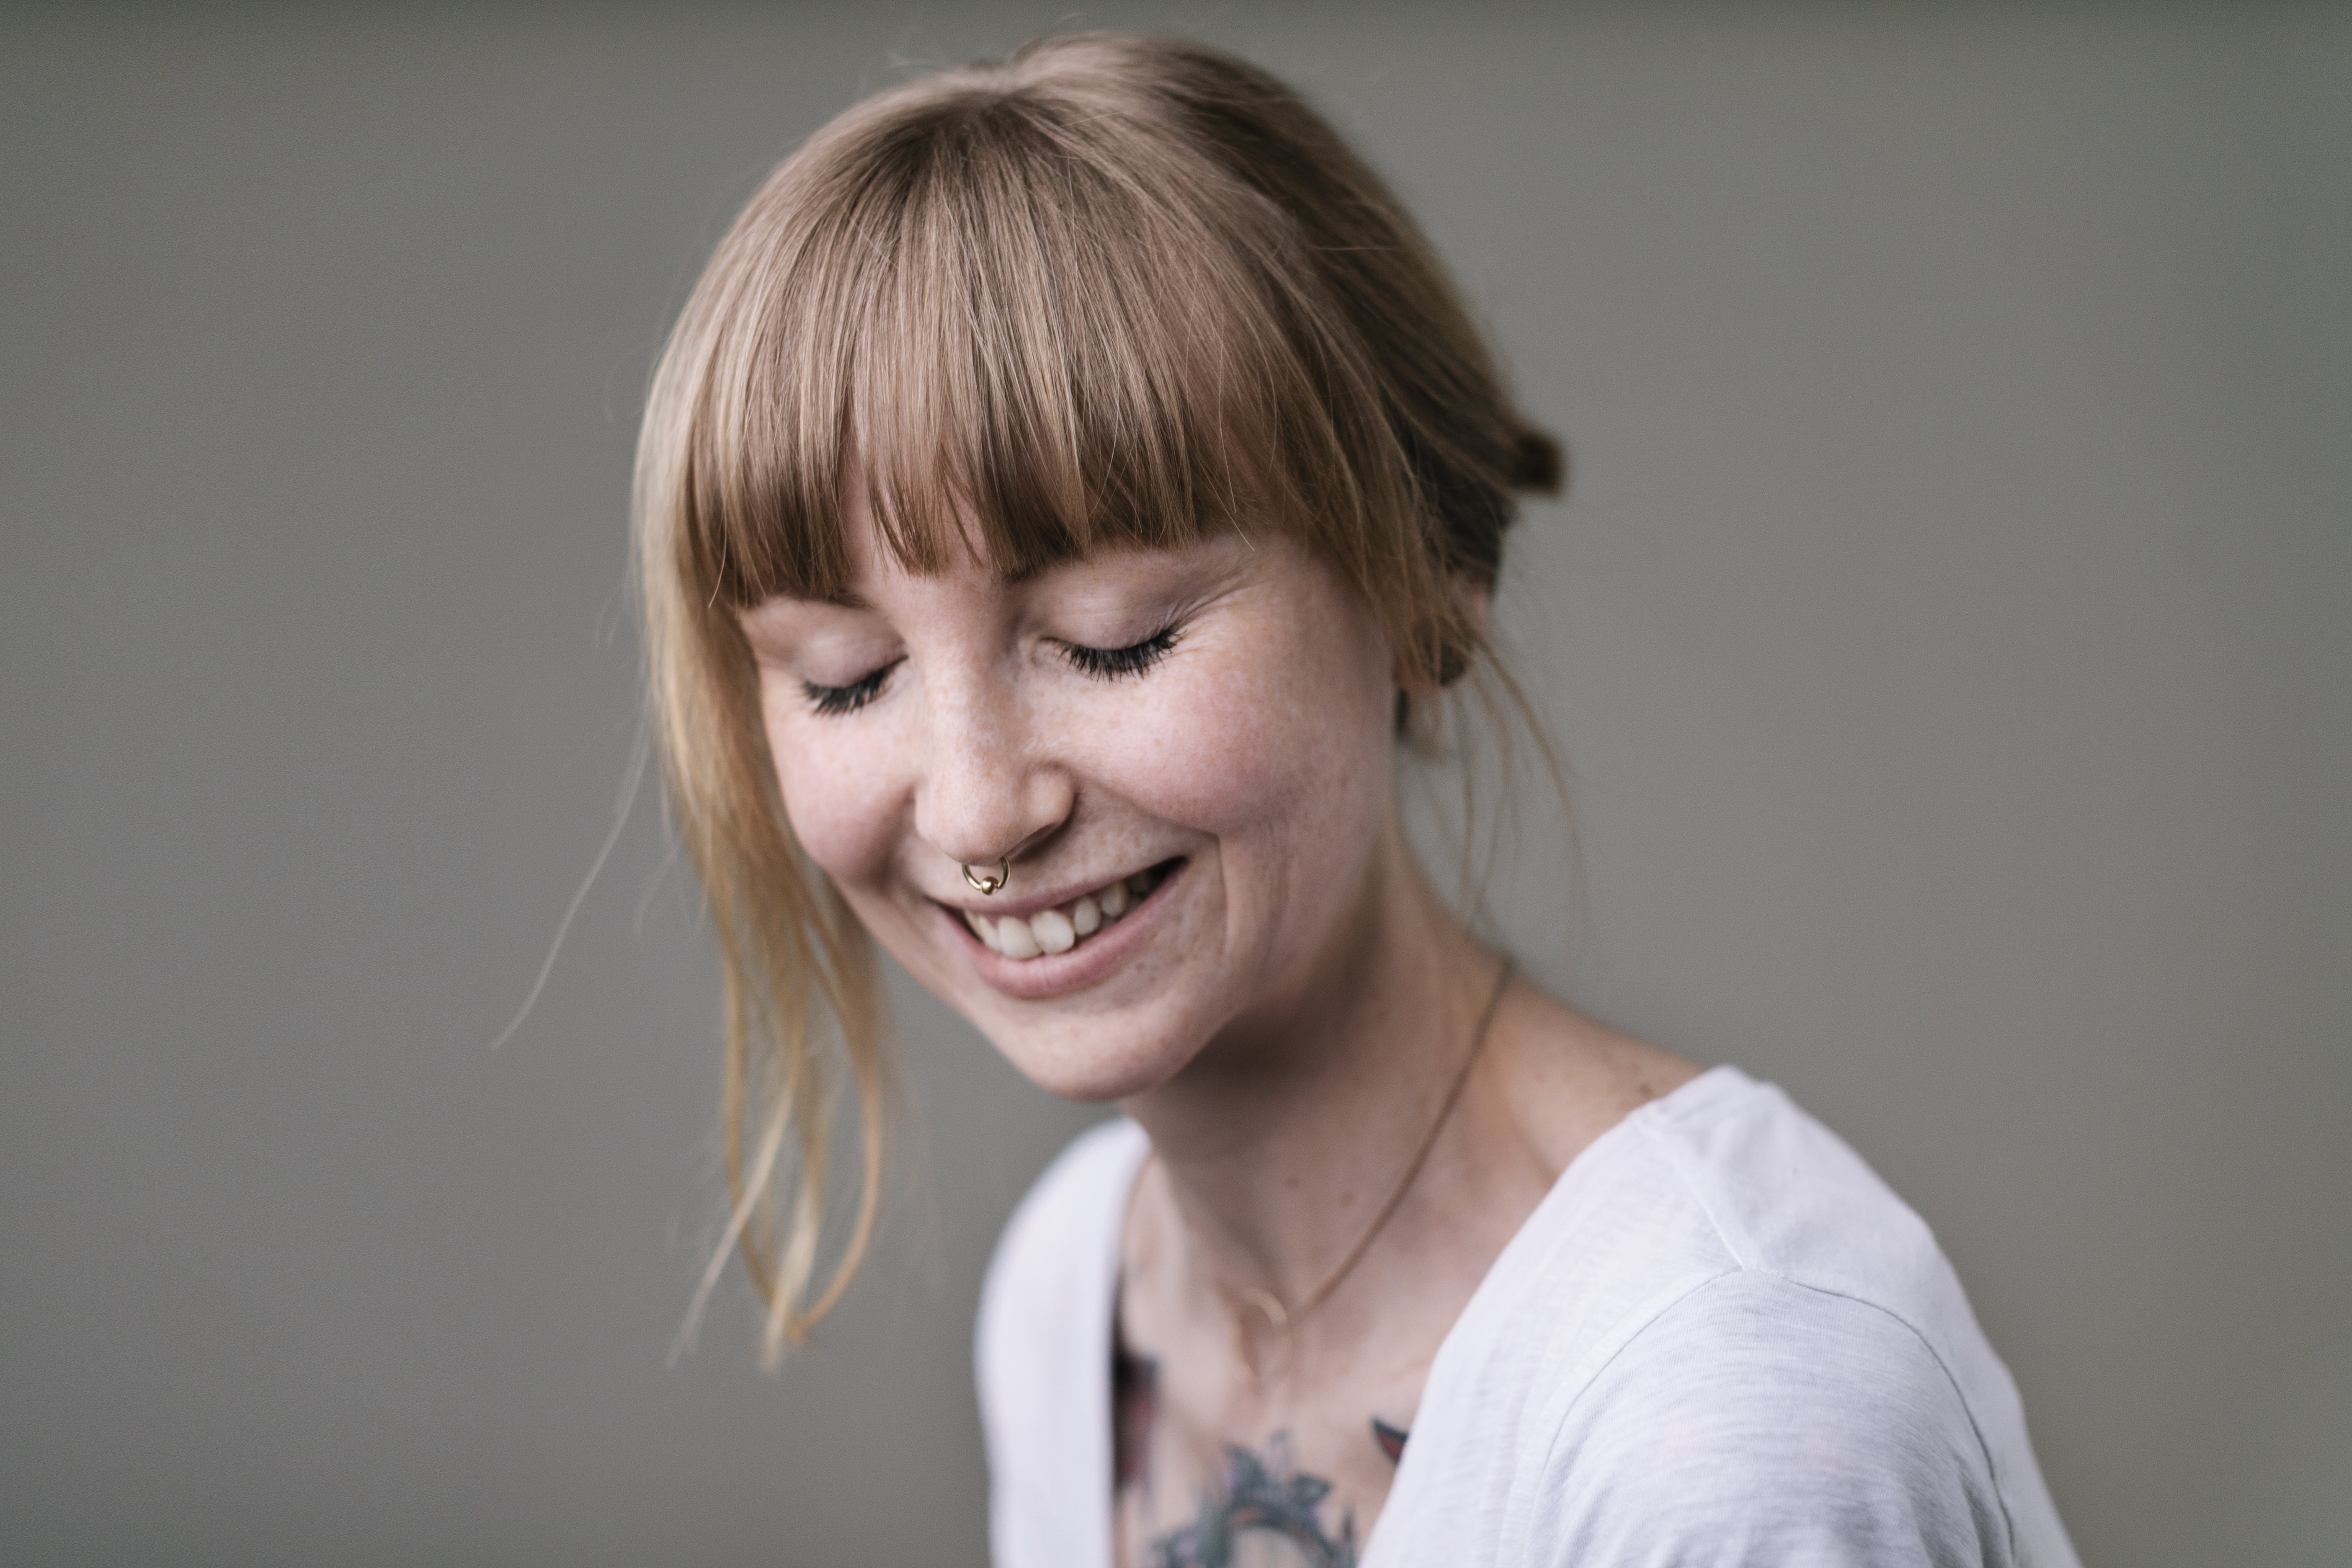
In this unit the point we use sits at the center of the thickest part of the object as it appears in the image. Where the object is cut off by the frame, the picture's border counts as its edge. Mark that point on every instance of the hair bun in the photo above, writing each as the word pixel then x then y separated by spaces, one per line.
pixel 1538 463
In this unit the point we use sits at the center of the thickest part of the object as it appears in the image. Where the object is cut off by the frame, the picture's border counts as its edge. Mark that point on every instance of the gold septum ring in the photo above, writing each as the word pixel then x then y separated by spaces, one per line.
pixel 985 885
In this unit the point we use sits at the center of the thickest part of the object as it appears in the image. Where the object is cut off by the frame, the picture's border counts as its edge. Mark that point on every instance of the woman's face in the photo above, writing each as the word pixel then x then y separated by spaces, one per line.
pixel 1186 755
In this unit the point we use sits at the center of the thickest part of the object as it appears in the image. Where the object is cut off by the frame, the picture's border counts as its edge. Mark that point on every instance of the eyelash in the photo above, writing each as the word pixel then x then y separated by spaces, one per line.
pixel 1097 663
pixel 1111 663
pixel 834 700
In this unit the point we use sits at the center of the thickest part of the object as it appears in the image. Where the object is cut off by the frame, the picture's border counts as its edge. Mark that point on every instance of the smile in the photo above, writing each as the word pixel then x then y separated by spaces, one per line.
pixel 1064 926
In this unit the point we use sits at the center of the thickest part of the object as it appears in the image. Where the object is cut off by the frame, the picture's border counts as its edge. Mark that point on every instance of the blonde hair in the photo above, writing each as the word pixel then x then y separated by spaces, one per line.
pixel 1108 292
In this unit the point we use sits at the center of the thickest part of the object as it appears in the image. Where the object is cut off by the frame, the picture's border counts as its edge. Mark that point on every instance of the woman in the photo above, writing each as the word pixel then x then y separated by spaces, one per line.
pixel 1070 483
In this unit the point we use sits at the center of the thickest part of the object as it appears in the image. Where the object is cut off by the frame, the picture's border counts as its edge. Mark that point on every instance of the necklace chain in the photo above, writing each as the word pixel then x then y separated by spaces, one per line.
pixel 1243 1299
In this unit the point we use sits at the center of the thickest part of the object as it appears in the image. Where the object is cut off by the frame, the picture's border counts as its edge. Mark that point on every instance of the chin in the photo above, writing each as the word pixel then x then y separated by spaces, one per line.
pixel 1078 1061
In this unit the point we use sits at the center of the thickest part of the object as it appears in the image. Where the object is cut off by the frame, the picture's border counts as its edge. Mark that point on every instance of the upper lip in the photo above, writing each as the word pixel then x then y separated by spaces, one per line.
pixel 1022 907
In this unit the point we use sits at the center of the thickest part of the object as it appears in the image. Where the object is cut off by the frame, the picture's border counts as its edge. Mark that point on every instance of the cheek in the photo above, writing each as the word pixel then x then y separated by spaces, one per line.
pixel 1286 745
pixel 827 773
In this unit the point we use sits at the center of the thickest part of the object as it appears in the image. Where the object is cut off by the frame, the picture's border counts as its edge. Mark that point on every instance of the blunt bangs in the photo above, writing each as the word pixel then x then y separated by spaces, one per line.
pixel 1027 328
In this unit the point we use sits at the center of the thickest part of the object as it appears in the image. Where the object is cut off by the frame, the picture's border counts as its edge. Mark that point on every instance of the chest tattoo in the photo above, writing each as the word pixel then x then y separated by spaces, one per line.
pixel 1262 1509
pixel 1265 1494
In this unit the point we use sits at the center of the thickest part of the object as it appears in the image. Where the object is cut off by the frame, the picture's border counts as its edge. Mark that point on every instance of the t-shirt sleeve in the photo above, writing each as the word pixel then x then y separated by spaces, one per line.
pixel 1761 1422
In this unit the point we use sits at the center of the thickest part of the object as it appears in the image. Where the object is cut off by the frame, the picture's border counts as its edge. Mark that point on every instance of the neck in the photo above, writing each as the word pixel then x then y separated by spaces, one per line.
pixel 1283 1138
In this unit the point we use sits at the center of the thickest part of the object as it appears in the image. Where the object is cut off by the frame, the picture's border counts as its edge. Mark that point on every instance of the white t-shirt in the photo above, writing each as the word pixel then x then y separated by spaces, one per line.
pixel 1720 1339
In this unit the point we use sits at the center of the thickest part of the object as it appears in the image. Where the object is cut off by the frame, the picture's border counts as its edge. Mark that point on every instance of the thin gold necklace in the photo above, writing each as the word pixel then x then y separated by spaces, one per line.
pixel 1243 1299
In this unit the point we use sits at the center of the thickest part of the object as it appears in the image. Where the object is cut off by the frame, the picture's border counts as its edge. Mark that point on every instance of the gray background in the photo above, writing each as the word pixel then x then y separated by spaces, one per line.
pixel 1949 634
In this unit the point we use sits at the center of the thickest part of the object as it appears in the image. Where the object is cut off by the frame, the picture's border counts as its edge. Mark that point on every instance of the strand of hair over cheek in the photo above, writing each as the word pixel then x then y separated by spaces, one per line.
pixel 778 1082
pixel 785 947
pixel 778 1101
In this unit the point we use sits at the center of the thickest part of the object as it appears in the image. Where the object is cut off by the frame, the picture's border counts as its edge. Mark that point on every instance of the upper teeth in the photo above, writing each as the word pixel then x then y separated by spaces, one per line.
pixel 1062 928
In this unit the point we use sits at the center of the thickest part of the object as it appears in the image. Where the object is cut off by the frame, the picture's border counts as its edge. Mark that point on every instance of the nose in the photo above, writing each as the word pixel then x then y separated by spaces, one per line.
pixel 990 787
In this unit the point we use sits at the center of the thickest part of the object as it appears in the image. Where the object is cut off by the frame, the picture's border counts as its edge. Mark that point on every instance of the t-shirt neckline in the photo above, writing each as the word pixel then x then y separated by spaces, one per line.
pixel 1493 1284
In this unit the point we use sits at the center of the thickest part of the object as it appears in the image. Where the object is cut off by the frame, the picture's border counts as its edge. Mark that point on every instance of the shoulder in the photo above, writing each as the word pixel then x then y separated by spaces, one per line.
pixel 1822 1387
pixel 1722 1336
pixel 1723 1176
pixel 1782 1194
pixel 1811 1232
pixel 1791 1422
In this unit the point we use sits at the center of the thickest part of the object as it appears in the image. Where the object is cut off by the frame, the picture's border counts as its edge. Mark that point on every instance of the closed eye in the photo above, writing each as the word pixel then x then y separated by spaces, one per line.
pixel 834 700
pixel 1111 663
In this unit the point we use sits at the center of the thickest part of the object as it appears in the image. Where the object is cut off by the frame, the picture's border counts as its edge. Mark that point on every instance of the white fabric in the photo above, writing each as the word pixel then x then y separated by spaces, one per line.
pixel 1720 1339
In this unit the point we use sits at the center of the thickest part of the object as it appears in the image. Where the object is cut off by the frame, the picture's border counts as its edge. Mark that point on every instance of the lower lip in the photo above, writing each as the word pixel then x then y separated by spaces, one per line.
pixel 1055 974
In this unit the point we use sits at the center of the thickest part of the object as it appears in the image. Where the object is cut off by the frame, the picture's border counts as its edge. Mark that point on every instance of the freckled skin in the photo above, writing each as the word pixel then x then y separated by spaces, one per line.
pixel 1281 1015
pixel 1258 750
